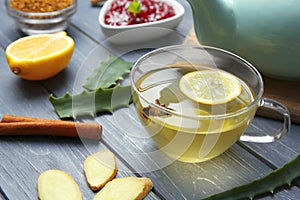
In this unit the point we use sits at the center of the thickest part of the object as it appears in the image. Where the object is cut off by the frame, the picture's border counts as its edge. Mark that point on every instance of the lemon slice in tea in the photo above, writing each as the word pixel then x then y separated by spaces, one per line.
pixel 210 87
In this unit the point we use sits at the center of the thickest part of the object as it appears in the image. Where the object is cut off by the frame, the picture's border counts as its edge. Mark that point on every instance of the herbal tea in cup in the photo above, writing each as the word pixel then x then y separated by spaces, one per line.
pixel 196 102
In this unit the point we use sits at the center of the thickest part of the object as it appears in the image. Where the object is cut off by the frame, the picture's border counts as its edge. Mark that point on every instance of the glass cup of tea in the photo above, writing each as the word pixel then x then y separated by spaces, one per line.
pixel 196 101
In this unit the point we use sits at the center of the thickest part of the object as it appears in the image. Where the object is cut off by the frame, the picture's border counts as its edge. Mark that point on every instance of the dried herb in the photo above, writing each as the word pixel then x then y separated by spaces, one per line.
pixel 40 6
pixel 152 111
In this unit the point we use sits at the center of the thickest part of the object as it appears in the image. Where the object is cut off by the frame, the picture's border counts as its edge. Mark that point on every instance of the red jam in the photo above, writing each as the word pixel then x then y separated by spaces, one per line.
pixel 151 11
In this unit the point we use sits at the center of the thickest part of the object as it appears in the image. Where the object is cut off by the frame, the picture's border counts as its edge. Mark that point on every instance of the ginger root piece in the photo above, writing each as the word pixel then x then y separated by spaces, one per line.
pixel 100 168
pixel 126 188
pixel 57 185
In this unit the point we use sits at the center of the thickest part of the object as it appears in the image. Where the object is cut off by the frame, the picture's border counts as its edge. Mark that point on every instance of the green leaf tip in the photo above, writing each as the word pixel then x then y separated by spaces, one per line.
pixel 108 74
pixel 279 177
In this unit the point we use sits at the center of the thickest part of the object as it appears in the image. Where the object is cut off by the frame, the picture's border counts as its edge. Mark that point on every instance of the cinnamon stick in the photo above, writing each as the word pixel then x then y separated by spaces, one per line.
pixel 13 118
pixel 19 125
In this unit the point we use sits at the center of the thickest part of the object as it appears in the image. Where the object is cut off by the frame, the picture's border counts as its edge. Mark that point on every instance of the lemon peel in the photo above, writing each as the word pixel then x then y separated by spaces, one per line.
pixel 210 87
pixel 39 57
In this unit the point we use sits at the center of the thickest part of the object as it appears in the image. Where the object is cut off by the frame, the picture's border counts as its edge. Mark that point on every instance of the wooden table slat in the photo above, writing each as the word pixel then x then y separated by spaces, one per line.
pixel 22 159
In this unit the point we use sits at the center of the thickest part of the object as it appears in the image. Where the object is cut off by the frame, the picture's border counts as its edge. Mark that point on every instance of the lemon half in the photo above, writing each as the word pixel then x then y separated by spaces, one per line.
pixel 210 87
pixel 39 57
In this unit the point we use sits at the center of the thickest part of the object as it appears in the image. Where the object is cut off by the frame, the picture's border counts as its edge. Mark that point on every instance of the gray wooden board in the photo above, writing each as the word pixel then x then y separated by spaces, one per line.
pixel 233 168
pixel 185 28
pixel 92 29
pixel 279 152
pixel 23 158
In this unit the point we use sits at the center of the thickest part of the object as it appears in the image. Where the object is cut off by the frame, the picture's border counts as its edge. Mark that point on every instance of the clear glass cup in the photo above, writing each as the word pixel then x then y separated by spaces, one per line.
pixel 189 131
pixel 41 22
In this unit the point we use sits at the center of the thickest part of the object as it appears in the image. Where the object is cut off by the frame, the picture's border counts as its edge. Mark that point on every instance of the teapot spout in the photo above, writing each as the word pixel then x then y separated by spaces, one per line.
pixel 214 22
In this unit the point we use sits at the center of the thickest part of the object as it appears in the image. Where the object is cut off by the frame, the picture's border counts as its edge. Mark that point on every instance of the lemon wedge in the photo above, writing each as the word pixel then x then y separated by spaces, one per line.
pixel 38 57
pixel 210 87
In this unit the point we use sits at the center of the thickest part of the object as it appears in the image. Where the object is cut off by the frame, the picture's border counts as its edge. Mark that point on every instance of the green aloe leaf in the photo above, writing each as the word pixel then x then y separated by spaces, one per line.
pixel 89 103
pixel 284 175
pixel 107 75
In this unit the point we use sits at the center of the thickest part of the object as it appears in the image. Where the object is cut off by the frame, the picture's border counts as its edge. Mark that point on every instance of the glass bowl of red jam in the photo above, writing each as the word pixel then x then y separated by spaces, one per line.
pixel 155 19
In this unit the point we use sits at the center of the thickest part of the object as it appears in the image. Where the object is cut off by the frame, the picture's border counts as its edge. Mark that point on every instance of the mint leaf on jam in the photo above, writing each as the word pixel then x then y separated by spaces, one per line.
pixel 135 7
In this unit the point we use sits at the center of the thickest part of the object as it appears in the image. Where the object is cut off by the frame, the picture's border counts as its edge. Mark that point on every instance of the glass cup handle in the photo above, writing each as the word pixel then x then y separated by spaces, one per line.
pixel 282 110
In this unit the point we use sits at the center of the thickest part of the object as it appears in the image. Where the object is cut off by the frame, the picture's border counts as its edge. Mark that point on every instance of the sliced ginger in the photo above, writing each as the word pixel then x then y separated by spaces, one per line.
pixel 99 169
pixel 57 185
pixel 126 188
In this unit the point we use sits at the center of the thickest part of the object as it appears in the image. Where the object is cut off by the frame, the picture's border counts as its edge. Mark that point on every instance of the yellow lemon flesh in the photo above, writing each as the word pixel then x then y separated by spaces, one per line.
pixel 210 87
pixel 38 57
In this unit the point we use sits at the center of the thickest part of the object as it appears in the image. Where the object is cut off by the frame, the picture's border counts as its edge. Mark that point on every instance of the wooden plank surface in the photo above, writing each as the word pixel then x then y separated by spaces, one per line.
pixel 286 92
pixel 28 157
pixel 219 174
pixel 22 159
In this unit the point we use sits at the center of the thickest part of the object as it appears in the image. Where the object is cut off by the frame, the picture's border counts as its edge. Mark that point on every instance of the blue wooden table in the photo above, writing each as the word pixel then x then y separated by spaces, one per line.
pixel 23 158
